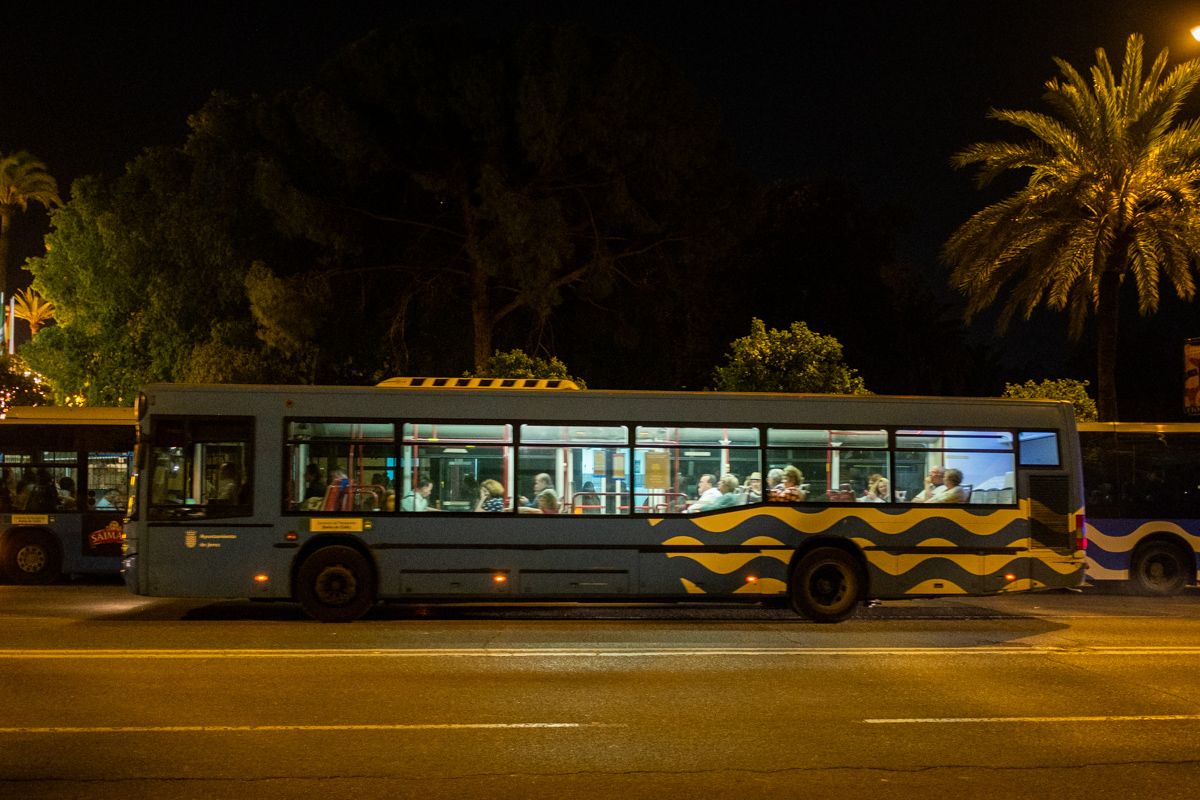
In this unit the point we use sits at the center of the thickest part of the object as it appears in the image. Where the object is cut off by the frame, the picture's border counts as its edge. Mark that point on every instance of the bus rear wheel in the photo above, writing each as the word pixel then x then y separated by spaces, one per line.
pixel 336 584
pixel 826 585
pixel 31 557
pixel 1161 569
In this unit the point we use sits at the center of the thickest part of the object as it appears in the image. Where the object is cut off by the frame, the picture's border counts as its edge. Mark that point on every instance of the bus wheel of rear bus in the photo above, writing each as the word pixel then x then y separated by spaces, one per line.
pixel 336 584
pixel 31 557
pixel 826 584
pixel 1160 568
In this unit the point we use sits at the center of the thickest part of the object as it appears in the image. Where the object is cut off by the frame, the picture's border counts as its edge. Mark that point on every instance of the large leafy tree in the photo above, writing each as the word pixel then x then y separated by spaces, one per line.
pixel 501 177
pixel 794 360
pixel 1111 201
pixel 23 180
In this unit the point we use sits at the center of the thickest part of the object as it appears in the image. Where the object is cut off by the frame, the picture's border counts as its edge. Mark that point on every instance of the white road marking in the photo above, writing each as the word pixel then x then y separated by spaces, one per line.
pixel 431 726
pixel 942 720
pixel 589 652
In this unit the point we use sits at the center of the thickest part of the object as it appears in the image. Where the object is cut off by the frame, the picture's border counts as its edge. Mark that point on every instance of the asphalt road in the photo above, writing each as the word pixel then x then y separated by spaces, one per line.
pixel 107 695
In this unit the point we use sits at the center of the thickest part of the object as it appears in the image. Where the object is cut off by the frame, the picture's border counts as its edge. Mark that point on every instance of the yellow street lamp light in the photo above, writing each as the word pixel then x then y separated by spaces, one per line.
pixel 1196 33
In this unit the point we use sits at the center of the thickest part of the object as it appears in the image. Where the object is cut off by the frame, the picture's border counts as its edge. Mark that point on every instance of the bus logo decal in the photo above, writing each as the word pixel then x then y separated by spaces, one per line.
pixel 190 538
pixel 111 533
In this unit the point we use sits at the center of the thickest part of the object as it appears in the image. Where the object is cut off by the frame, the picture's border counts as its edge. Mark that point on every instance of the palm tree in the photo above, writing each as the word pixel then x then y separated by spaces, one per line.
pixel 23 180
pixel 29 306
pixel 1111 198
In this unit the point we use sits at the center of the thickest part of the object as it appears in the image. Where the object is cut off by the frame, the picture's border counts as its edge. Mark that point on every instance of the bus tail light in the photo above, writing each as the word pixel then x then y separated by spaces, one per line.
pixel 1081 531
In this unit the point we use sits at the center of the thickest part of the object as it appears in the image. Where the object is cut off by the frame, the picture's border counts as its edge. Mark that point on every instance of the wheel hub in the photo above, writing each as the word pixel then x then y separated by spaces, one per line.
pixel 336 586
pixel 31 559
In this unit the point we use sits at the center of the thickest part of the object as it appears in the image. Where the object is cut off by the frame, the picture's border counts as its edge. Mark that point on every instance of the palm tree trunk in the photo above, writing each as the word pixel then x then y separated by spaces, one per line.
pixel 5 226
pixel 1108 315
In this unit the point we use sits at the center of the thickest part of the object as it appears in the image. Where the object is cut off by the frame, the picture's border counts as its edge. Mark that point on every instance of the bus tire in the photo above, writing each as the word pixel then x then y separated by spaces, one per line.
pixel 826 584
pixel 31 557
pixel 1161 569
pixel 336 584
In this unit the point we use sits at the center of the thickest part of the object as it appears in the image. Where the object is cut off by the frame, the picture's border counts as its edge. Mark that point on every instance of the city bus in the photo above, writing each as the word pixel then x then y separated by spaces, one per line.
pixel 1143 503
pixel 423 490
pixel 64 480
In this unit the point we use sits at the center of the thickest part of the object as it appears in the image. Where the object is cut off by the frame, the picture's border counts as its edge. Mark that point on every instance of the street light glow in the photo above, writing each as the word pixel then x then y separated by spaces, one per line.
pixel 1196 33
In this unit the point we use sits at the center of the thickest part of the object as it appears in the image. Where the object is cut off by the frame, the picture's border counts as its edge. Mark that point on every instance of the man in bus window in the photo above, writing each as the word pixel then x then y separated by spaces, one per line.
pixel 952 491
pixel 541 482
pixel 934 485
pixel 419 499
pixel 707 490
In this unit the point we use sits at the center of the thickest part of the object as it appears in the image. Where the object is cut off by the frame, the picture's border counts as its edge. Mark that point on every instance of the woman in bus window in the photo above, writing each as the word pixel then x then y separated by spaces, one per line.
pixel 878 490
pixel 491 496
pixel 789 490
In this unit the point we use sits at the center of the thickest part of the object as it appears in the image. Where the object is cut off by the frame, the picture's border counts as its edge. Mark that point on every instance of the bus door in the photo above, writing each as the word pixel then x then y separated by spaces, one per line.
pixel 200 508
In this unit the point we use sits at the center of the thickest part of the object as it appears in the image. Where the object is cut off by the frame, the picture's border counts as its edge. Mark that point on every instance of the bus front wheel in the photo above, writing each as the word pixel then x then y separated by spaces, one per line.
pixel 1161 569
pixel 336 584
pixel 31 557
pixel 826 584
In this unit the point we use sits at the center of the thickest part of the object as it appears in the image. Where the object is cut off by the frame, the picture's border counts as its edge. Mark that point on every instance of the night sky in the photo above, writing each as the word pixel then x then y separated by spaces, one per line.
pixel 877 93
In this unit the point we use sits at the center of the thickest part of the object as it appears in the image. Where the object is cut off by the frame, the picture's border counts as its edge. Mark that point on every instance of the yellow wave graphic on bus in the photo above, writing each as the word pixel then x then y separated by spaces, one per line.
pixel 725 563
pixel 1123 544
pixel 820 521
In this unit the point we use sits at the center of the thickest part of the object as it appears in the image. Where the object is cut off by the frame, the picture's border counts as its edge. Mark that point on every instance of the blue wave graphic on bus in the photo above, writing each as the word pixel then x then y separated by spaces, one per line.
pixel 1111 541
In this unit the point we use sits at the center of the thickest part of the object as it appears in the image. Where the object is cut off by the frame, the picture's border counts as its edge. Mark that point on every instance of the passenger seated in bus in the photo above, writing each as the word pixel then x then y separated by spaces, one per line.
pixel 587 500
pixel 933 485
pixel 952 491
pixel 878 490
pixel 727 495
pixel 774 479
pixel 706 490
pixel 229 483
pixel 418 500
pixel 313 485
pixel 789 490
pixel 751 490
pixel 541 482
pixel 547 501
pixel 66 493
pixel 43 494
pixel 491 496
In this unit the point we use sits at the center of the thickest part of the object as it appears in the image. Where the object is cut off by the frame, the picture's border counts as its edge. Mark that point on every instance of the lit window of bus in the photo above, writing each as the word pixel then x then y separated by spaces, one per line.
pixel 200 468
pixel 340 466
pixel 983 462
pixel 681 469
pixel 837 466
pixel 573 469
pixel 471 466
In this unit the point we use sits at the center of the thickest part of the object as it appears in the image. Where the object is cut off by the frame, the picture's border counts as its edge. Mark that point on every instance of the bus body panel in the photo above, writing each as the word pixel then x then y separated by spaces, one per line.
pixel 1143 485
pixel 743 553
pixel 92 446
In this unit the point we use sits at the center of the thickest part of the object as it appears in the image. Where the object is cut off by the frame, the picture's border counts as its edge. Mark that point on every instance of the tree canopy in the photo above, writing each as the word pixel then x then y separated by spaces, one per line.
pixel 23 180
pixel 1111 200
pixel 1068 389
pixel 792 360
pixel 433 191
